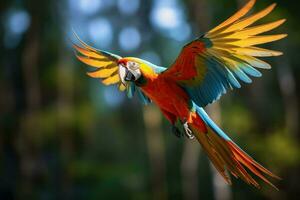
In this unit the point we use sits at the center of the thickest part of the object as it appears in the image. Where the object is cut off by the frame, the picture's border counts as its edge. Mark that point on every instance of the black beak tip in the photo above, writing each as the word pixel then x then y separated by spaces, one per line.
pixel 129 76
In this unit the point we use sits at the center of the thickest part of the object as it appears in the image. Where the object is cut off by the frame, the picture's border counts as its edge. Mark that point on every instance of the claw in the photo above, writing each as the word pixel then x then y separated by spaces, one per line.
pixel 176 132
pixel 188 132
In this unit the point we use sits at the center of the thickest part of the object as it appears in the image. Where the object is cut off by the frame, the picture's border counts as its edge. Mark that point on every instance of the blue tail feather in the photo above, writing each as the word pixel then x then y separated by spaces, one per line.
pixel 208 121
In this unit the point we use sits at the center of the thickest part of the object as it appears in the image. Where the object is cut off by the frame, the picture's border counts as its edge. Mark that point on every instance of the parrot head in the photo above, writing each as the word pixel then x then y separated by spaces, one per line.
pixel 129 71
pixel 133 70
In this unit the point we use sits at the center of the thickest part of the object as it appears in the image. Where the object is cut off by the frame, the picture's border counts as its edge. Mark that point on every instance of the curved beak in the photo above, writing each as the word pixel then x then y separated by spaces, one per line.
pixel 122 74
pixel 125 75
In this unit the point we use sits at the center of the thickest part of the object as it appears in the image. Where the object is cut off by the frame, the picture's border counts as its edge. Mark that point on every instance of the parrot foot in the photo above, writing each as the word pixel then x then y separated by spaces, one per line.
pixel 176 132
pixel 188 132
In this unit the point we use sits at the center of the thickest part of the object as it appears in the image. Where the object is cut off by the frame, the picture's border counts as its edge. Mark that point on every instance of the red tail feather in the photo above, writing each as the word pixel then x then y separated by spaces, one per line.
pixel 227 156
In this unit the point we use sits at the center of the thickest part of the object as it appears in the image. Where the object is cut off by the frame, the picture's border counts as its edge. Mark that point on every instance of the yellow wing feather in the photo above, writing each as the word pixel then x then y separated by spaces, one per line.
pixel 235 39
pixel 255 40
pixel 239 25
pixel 242 12
pixel 255 30
pixel 86 52
pixel 93 62
pixel 102 73
pixel 106 63
pixel 257 52
pixel 111 80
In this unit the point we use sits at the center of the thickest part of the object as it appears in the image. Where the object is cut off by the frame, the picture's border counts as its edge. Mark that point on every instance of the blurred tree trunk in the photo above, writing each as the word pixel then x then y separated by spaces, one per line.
pixel 9 120
pixel 65 108
pixel 9 126
pixel 65 79
pixel 28 127
pixel 156 150
pixel 189 169
pixel 287 85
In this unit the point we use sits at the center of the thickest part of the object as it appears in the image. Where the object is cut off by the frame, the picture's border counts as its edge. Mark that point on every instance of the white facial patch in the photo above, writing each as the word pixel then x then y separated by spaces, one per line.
pixel 134 68
pixel 122 74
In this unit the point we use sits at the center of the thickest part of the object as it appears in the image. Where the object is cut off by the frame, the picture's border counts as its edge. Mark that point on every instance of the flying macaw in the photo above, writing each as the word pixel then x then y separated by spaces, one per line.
pixel 205 69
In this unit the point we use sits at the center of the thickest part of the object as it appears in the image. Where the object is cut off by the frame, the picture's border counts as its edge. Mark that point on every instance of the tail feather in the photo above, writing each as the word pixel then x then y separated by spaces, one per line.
pixel 215 158
pixel 226 156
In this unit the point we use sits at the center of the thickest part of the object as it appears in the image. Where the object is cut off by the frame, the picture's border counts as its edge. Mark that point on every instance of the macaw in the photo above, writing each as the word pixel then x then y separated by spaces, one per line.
pixel 204 70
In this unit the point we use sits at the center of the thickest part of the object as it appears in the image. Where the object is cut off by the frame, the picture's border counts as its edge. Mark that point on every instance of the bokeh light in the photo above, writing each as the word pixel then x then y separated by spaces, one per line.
pixel 166 17
pixel 101 32
pixel 112 96
pixel 17 23
pixel 181 33
pixel 129 38
pixel 128 7
pixel 151 56
pixel 90 6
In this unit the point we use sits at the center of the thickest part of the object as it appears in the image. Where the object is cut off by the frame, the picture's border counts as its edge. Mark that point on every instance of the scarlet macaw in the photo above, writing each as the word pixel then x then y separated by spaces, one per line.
pixel 205 69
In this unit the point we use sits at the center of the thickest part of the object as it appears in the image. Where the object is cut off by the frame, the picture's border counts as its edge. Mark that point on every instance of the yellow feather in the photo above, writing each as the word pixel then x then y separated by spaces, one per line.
pixel 257 29
pixel 258 40
pixel 94 63
pixel 231 64
pixel 224 45
pixel 86 52
pixel 242 12
pixel 254 61
pixel 250 20
pixel 224 40
pixel 105 62
pixel 122 87
pixel 84 44
pixel 219 52
pixel 102 73
pixel 220 35
pixel 257 52
pixel 111 80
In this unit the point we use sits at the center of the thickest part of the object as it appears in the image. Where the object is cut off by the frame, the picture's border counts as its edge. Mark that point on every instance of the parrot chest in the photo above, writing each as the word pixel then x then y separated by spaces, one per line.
pixel 166 94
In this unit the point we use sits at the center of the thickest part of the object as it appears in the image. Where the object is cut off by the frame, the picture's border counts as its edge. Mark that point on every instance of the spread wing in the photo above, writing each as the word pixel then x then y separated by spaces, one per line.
pixel 106 63
pixel 107 69
pixel 210 65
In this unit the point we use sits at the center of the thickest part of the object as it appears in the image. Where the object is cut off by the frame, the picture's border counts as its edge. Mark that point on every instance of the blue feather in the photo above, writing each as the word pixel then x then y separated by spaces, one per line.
pixel 232 79
pixel 130 90
pixel 211 124
pixel 241 75
pixel 144 99
pixel 250 70
pixel 215 83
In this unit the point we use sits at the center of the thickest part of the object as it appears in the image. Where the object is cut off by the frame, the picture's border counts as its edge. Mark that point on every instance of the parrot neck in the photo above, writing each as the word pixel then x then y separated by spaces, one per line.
pixel 142 81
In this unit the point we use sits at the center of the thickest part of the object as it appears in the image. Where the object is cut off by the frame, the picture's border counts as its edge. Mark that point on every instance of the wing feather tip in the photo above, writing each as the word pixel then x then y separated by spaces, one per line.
pixel 272 6
pixel 279 53
pixel 282 20
pixel 93 74
pixel 89 74
pixel 284 35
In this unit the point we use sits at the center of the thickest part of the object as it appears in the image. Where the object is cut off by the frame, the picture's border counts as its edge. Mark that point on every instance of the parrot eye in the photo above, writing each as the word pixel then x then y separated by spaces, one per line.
pixel 132 65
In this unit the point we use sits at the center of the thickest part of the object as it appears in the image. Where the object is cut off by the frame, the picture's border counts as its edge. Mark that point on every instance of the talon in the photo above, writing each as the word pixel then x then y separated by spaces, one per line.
pixel 176 132
pixel 188 132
